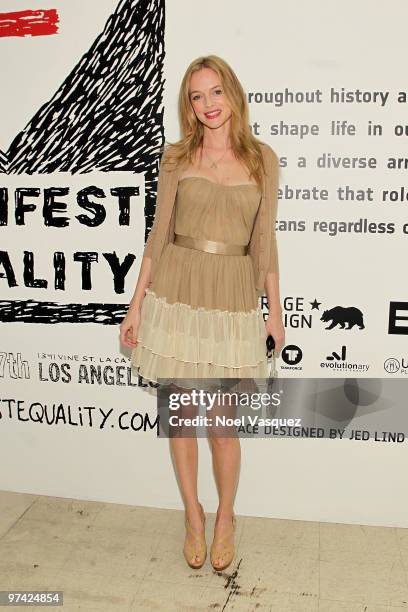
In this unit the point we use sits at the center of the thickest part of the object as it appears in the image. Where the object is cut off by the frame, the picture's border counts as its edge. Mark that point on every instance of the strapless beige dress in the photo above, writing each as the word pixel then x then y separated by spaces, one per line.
pixel 200 317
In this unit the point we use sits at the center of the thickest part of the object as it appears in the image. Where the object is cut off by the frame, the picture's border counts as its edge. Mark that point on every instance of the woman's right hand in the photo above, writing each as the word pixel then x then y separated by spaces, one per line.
pixel 129 328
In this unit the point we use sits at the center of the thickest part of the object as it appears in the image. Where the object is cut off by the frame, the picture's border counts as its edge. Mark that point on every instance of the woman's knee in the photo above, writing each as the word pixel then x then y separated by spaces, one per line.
pixel 222 442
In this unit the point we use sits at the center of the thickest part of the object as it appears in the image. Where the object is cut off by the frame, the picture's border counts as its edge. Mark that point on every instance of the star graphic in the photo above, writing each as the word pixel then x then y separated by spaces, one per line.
pixel 315 304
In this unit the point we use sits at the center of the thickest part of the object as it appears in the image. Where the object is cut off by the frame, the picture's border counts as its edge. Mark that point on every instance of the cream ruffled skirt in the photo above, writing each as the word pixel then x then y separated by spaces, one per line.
pixel 178 341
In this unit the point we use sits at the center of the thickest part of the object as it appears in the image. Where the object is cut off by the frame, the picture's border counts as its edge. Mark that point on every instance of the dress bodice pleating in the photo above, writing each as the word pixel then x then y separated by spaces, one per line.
pixel 205 209
pixel 210 211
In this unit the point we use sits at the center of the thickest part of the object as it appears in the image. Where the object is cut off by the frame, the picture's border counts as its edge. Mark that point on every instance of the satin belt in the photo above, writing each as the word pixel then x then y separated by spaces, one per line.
pixel 210 246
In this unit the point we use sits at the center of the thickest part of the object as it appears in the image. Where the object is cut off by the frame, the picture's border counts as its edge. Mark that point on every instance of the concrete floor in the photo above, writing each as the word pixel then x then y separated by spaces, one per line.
pixel 114 557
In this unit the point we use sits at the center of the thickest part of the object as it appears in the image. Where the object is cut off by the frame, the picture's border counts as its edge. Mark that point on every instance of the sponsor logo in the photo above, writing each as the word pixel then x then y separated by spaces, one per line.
pixel 398 318
pixel 346 317
pixel 392 365
pixel 297 316
pixel 338 361
pixel 291 355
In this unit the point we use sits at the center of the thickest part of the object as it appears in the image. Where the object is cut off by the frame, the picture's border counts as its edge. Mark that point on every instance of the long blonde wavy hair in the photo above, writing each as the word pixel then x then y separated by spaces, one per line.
pixel 245 146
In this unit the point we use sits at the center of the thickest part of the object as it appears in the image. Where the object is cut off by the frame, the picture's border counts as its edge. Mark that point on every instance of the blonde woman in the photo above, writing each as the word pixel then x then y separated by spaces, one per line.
pixel 210 254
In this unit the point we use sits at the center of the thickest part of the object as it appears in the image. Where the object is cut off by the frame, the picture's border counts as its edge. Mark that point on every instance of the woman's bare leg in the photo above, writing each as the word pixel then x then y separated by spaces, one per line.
pixel 226 454
pixel 226 457
pixel 185 456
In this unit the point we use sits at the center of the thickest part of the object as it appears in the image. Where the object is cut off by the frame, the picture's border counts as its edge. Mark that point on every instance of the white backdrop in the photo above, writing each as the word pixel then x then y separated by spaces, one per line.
pixel 90 452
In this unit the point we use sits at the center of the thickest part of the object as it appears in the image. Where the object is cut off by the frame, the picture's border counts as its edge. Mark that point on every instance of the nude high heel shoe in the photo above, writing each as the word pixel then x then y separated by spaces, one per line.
pixel 195 546
pixel 223 549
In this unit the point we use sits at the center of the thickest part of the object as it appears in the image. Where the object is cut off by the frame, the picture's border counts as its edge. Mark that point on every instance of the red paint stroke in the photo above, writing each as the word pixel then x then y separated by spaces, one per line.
pixel 29 23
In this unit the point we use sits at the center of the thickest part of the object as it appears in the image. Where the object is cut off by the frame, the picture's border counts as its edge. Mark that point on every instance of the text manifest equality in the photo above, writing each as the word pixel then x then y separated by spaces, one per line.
pixel 50 201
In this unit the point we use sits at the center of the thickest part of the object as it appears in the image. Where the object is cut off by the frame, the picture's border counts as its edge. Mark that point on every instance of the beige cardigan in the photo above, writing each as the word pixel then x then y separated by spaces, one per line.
pixel 262 245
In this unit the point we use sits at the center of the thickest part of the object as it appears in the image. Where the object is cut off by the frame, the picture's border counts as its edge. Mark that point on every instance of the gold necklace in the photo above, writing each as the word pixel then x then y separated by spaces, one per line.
pixel 213 163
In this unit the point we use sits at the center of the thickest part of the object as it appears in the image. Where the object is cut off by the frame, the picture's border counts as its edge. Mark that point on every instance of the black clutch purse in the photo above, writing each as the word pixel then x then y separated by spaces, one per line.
pixel 271 357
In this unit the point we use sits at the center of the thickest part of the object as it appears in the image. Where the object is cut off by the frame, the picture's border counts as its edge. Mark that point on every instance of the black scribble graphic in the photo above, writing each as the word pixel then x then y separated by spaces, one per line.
pixel 3 162
pixel 32 311
pixel 107 115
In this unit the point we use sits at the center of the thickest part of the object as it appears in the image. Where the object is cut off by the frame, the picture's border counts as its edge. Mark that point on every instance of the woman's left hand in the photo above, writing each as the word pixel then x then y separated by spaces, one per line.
pixel 274 327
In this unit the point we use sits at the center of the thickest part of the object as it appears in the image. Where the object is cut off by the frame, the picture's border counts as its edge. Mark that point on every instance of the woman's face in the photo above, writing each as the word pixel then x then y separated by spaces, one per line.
pixel 207 98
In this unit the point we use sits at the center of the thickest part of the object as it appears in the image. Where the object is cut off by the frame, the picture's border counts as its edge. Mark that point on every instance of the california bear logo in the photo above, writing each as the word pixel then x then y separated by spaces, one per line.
pixel 340 315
